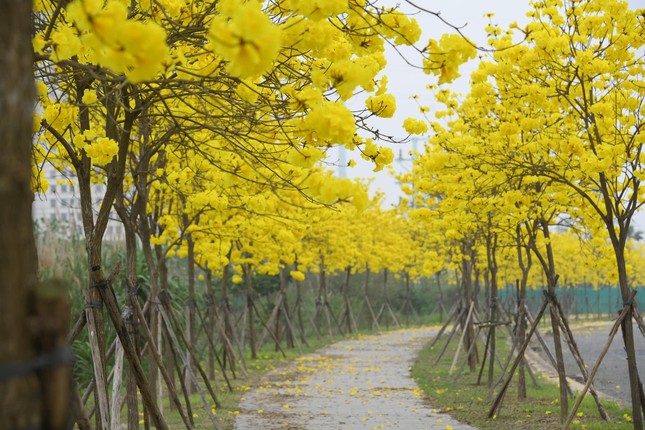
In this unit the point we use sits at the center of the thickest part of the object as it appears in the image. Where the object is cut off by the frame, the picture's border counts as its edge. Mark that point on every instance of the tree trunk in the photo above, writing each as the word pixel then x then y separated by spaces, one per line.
pixel 20 397
pixel 441 308
pixel 348 316
pixel 366 293
pixel 285 310
pixel 35 319
pixel 144 232
pixel 211 316
pixel 467 325
pixel 154 375
pixel 525 264
pixel 521 335
pixel 162 275
pixel 552 280
pixel 132 323
pixel 191 327
pixel 128 216
pixel 298 313
pixel 250 307
pixel 492 270
pixel 628 337
pixel 229 337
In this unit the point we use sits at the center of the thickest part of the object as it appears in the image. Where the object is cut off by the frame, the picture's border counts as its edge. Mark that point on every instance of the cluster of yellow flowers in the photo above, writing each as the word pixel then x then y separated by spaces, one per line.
pixel 383 105
pixel 101 150
pixel 401 27
pixel 328 124
pixel 446 55
pixel 381 156
pixel 318 9
pixel 245 36
pixel 415 126
pixel 135 48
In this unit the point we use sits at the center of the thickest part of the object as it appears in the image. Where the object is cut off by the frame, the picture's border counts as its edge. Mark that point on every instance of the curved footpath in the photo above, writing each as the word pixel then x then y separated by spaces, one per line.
pixel 361 383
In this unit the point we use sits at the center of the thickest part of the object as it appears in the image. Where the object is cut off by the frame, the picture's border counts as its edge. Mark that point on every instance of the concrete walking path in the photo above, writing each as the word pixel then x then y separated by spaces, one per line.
pixel 361 383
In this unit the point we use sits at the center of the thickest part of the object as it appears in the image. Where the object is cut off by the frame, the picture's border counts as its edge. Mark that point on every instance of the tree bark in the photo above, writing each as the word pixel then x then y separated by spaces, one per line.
pixel 552 280
pixel 250 307
pixel 466 279
pixel 628 338
pixel 492 270
pixel 191 327
pixel 20 397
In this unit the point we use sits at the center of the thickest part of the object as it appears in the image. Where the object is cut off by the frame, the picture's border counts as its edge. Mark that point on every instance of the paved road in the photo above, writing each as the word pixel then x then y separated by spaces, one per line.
pixel 361 383
pixel 612 377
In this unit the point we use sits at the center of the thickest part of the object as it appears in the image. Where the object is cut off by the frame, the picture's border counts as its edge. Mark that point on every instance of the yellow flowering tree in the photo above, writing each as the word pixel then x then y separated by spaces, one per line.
pixel 561 115
pixel 584 65
pixel 124 85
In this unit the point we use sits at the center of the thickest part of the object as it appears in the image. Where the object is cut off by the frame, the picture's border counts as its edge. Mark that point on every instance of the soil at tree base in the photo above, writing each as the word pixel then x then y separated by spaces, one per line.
pixel 361 383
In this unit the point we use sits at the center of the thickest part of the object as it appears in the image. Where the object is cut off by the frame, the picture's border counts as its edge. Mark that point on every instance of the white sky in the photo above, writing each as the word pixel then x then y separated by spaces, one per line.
pixel 405 81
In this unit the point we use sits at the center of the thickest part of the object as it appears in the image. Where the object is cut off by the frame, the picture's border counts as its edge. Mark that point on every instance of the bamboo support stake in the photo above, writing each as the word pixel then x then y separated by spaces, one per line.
pixel 108 296
pixel 576 355
pixel 186 360
pixel 451 314
pixel 97 360
pixel 211 344
pixel 78 328
pixel 81 418
pixel 463 334
pixel 547 350
pixel 498 400
pixel 159 362
pixel 450 336
pixel 596 366
pixel 117 381
pixel 175 362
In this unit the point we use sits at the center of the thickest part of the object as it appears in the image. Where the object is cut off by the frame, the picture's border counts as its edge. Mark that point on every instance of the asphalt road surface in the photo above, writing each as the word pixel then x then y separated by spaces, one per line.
pixel 612 377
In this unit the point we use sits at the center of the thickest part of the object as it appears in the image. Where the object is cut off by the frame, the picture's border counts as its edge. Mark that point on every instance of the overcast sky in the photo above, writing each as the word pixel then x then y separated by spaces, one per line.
pixel 405 81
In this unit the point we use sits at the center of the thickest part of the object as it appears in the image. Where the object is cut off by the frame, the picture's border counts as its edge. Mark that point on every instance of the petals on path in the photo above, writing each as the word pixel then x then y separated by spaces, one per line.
pixel 359 383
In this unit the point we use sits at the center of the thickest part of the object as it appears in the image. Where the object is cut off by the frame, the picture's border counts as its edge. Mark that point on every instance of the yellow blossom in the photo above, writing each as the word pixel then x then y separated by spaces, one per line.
pixel 415 126
pixel 247 39
pixel 383 105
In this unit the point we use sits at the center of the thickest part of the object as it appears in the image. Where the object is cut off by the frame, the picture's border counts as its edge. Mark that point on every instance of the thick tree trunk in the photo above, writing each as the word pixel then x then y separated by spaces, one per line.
pixel 20 396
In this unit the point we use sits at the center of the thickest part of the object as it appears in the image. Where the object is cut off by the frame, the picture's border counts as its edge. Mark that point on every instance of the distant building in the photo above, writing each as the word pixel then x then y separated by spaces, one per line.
pixel 59 207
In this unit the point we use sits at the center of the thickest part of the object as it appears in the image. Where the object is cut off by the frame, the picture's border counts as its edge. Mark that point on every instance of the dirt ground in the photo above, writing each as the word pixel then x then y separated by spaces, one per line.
pixel 361 383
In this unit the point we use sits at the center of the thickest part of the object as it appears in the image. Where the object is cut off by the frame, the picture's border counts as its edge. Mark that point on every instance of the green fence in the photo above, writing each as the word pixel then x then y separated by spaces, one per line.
pixel 578 300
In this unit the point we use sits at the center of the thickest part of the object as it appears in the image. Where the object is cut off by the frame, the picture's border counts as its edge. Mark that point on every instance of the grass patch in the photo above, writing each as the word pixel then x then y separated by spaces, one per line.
pixel 468 402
